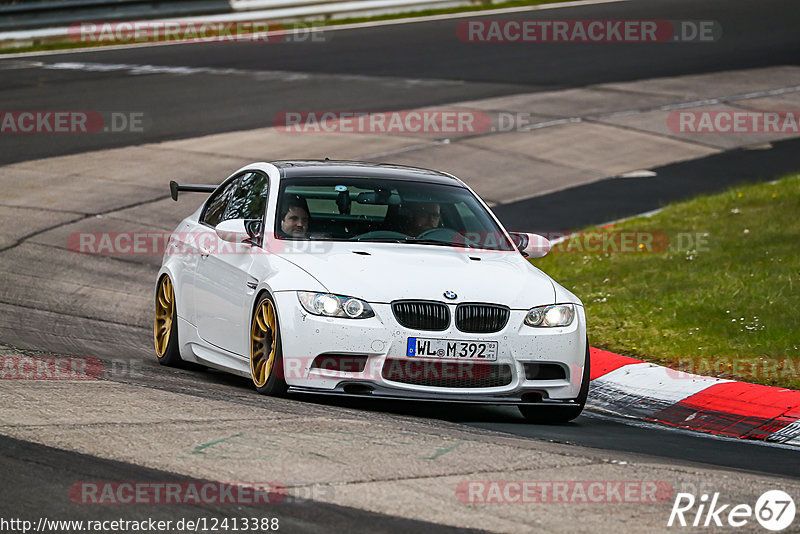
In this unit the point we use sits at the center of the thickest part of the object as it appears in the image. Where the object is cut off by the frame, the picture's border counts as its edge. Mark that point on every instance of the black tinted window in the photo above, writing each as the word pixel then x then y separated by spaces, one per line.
pixel 217 203
pixel 249 201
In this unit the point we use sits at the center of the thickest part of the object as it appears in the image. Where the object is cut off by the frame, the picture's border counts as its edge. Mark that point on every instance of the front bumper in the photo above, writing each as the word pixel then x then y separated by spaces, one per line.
pixel 366 390
pixel 381 338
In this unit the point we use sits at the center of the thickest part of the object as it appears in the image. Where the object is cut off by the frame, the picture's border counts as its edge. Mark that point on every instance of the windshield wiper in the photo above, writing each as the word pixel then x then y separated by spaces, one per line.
pixel 380 239
pixel 435 242
pixel 412 240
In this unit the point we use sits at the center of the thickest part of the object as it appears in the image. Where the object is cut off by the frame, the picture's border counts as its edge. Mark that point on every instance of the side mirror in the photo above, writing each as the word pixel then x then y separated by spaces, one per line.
pixel 531 245
pixel 233 231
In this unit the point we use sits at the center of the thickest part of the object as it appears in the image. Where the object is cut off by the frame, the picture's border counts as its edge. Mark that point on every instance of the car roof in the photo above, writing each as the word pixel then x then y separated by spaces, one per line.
pixel 361 169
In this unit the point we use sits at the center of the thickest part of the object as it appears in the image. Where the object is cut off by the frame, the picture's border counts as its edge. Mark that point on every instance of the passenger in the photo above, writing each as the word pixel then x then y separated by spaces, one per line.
pixel 294 217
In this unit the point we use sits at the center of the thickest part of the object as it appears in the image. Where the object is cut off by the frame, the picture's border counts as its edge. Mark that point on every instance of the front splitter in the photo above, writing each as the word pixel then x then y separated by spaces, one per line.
pixel 391 394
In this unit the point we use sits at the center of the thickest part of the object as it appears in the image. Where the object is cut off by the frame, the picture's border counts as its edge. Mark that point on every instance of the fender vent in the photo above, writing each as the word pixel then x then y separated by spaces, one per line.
pixel 345 363
pixel 544 371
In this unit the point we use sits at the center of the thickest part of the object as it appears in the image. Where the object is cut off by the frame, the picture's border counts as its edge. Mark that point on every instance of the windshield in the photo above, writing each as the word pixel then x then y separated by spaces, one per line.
pixel 389 211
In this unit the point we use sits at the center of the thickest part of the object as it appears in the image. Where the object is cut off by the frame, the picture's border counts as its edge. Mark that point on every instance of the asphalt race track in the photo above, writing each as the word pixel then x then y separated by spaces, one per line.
pixel 232 87
pixel 362 70
pixel 617 198
pixel 38 473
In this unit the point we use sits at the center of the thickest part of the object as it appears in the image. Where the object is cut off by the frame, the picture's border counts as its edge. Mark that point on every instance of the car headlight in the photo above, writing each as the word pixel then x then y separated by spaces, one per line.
pixel 557 315
pixel 329 305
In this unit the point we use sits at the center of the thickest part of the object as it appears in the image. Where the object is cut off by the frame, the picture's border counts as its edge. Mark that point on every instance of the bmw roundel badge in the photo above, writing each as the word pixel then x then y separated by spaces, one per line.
pixel 450 295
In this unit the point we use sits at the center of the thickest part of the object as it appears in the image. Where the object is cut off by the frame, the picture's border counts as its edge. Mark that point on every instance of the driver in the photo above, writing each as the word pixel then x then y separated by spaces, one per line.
pixel 294 216
pixel 422 216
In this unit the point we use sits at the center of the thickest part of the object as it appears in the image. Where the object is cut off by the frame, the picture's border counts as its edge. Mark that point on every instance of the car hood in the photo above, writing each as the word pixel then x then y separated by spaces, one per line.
pixel 384 272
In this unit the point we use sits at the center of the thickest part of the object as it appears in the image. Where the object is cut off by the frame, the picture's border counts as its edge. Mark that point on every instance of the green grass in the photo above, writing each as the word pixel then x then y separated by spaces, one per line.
pixel 728 306
pixel 64 43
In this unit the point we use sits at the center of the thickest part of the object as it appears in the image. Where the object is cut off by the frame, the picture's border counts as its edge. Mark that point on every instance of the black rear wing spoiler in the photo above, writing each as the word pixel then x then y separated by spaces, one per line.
pixel 175 187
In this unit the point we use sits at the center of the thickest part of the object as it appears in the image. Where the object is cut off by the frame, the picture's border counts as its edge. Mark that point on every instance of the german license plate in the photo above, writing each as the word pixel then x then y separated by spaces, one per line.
pixel 423 347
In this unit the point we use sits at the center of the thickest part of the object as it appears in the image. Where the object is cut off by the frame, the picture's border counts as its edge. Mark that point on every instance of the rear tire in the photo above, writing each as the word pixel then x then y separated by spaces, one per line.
pixel 266 359
pixel 165 327
pixel 554 415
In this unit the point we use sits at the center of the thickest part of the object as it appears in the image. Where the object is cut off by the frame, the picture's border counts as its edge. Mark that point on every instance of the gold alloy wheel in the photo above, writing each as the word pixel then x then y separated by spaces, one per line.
pixel 263 343
pixel 165 308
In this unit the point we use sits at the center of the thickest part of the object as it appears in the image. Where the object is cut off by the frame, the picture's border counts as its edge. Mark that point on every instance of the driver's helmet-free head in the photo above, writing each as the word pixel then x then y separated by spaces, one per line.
pixel 421 216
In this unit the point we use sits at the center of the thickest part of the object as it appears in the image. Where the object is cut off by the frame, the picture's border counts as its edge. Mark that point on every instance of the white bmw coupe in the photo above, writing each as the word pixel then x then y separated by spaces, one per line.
pixel 369 280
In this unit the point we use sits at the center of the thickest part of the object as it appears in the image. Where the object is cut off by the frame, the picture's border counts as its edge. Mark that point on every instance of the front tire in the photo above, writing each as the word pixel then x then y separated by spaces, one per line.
pixel 556 414
pixel 266 360
pixel 165 327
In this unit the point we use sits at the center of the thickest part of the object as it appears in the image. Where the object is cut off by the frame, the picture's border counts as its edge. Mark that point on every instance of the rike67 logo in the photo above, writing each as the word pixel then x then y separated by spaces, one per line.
pixel 774 510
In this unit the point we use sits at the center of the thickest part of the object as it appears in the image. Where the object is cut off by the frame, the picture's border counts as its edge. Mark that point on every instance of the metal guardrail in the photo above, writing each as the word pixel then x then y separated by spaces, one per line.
pixel 63 13
pixel 29 14
pixel 304 9
pixel 39 5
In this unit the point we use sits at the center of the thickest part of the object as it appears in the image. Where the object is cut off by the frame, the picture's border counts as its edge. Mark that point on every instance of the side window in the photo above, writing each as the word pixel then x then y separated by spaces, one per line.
pixel 249 200
pixel 217 203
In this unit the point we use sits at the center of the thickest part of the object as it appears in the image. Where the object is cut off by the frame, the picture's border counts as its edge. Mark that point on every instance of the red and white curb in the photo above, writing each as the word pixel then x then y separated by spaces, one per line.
pixel 633 388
